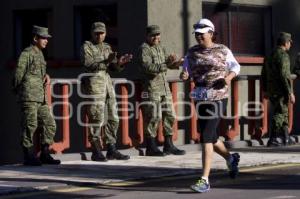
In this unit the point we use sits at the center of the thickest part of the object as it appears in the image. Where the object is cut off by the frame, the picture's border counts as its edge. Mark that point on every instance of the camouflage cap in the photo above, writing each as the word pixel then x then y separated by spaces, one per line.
pixel 40 31
pixel 285 36
pixel 153 30
pixel 98 27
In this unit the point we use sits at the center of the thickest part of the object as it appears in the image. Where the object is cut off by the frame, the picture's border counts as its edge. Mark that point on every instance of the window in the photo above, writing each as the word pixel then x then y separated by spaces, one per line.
pixel 23 22
pixel 246 30
pixel 85 16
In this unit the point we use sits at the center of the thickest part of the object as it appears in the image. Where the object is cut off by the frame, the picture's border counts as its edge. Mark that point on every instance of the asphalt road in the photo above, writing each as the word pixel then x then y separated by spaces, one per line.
pixel 267 182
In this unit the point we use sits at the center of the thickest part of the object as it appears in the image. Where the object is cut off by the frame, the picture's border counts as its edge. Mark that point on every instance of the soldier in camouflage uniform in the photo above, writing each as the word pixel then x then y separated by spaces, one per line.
pixel 275 76
pixel 154 63
pixel 29 83
pixel 98 59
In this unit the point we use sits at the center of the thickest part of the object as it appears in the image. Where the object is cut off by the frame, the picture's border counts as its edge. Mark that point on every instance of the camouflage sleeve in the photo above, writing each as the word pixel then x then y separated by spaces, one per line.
pixel 263 77
pixel 23 62
pixel 147 65
pixel 285 73
pixel 88 61
pixel 166 54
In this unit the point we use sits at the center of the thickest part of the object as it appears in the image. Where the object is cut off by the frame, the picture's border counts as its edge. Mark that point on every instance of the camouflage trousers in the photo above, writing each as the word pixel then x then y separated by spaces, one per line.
pixel 34 115
pixel 154 111
pixel 96 111
pixel 280 114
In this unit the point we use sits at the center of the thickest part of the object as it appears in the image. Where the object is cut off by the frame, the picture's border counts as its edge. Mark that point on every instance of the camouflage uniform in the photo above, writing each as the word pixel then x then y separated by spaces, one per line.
pixel 275 76
pixel 30 88
pixel 156 92
pixel 30 85
pixel 98 59
pixel 99 85
pixel 157 99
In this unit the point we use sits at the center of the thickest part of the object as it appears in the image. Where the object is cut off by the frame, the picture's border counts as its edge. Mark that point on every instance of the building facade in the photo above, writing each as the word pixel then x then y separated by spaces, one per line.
pixel 248 27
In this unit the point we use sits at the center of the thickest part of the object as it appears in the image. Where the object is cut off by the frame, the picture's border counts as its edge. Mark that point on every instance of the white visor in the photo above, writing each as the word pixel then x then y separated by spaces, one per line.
pixel 203 30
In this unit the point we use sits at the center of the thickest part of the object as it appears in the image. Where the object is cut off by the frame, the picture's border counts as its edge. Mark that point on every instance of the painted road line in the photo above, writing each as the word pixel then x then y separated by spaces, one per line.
pixel 132 183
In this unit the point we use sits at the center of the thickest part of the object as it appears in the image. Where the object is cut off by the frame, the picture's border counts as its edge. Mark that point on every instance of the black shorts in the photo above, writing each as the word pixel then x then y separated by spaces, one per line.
pixel 209 114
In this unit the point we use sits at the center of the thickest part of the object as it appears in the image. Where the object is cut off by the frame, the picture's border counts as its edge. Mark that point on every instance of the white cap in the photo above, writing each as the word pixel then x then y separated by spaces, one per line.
pixel 204 26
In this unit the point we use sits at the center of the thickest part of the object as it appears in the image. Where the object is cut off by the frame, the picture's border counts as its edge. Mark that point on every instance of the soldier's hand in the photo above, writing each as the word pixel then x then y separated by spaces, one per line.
pixel 171 59
pixel 46 80
pixel 266 96
pixel 111 57
pixel 176 64
pixel 292 98
pixel 124 59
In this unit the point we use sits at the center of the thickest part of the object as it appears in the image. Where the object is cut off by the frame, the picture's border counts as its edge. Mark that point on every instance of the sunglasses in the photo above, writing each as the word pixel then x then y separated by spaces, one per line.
pixel 40 37
pixel 198 34
pixel 154 35
pixel 197 26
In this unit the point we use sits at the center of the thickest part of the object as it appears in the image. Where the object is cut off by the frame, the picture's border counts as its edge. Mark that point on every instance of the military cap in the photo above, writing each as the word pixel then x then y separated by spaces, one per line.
pixel 98 27
pixel 40 31
pixel 153 30
pixel 285 36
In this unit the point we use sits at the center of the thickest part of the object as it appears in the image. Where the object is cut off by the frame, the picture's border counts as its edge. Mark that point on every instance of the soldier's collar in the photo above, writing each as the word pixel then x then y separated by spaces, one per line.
pixel 35 49
pixel 95 43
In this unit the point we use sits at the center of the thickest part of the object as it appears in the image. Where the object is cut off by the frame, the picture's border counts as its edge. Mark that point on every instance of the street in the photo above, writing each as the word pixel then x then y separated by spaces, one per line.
pixel 265 182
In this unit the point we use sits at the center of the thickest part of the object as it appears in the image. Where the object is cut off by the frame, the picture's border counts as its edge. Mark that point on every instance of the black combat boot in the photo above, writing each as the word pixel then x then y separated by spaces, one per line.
pixel 30 158
pixel 152 149
pixel 286 138
pixel 169 147
pixel 273 142
pixel 45 156
pixel 97 154
pixel 114 154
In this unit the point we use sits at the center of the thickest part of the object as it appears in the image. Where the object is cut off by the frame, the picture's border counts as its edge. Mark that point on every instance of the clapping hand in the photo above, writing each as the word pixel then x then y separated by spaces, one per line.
pixel 171 59
pixel 111 57
pixel 124 59
pixel 173 62
pixel 46 80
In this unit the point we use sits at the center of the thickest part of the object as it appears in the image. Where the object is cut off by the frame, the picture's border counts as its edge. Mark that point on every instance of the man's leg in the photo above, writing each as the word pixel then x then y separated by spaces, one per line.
pixel 95 113
pixel 232 160
pixel 111 129
pixel 277 122
pixel 49 129
pixel 207 155
pixel 151 118
pixel 168 116
pixel 29 125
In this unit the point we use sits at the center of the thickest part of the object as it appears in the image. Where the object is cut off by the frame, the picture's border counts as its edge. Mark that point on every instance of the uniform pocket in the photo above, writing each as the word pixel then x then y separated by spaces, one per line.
pixel 34 69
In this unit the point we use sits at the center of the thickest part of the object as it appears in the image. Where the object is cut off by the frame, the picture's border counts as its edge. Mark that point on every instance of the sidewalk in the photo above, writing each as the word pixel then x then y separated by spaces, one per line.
pixel 73 171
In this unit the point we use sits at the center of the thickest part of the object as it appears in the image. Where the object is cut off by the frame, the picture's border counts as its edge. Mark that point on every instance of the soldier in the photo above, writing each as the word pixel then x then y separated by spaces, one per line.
pixel 154 63
pixel 97 58
pixel 29 83
pixel 275 76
